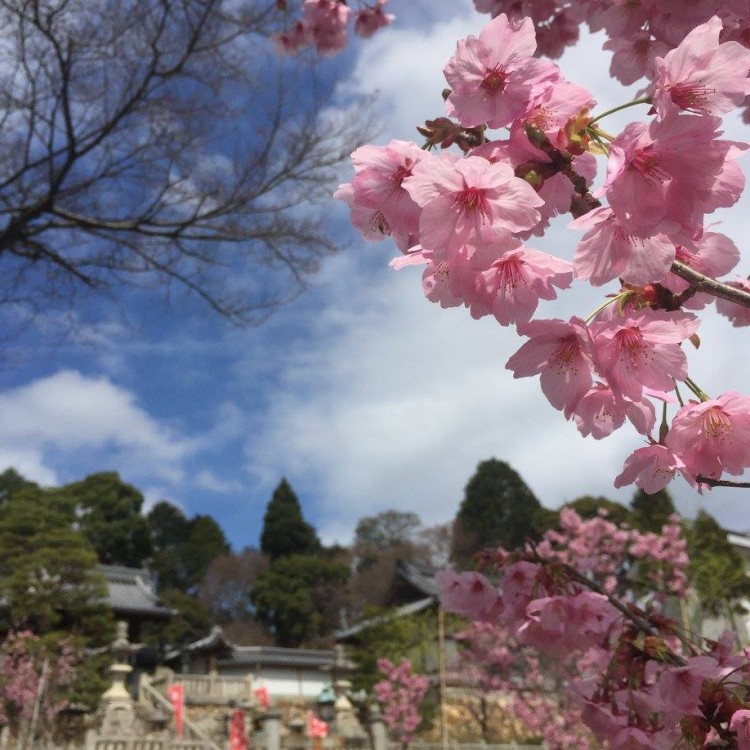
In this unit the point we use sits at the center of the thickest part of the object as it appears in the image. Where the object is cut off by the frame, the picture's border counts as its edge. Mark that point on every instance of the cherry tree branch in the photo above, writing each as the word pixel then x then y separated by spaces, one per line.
pixel 700 283
pixel 720 482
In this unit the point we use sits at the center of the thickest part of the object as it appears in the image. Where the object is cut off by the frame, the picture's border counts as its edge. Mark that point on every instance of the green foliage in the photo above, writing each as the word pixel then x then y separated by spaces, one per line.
pixel 414 637
pixel 498 509
pixel 285 531
pixel 91 679
pixel 717 570
pixel 183 548
pixel 192 621
pixel 387 529
pixel 650 512
pixel 293 597
pixel 109 516
pixel 47 569
pixel 11 481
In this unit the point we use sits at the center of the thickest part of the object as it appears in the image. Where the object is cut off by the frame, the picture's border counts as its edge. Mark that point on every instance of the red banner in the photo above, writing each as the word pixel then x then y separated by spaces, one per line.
pixel 317 729
pixel 261 694
pixel 176 695
pixel 237 736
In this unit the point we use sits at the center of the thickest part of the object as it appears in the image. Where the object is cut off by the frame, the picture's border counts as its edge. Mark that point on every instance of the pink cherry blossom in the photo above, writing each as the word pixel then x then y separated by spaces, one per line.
pixel 555 106
pixel 469 201
pixel 680 687
pixel 401 692
pixel 369 20
pixel 563 354
pixel 633 56
pixel 372 223
pixel 661 178
pixel 601 411
pixel 516 281
pixel 737 314
pixel 713 436
pixel 711 253
pixel 554 188
pixel 651 468
pixel 327 23
pixel 740 724
pixel 377 185
pixel 701 75
pixel 607 251
pixel 291 41
pixel 494 77
pixel 643 350
pixel 469 594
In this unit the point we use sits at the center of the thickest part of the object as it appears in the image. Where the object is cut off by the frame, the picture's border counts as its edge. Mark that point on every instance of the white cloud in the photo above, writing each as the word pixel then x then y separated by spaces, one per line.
pixel 70 414
pixel 207 480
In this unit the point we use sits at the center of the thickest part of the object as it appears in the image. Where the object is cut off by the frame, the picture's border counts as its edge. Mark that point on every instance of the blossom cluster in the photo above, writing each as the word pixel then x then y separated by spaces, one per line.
pixel 468 218
pixel 400 692
pixel 324 24
pixel 637 682
pixel 28 666
pixel 490 661
pixel 639 34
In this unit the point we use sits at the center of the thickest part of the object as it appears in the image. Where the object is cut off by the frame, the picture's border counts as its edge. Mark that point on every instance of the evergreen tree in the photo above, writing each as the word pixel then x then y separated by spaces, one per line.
pixel 183 548
pixel 296 598
pixel 716 569
pixel 205 542
pixel 650 512
pixel 498 509
pixel 109 516
pixel 285 531
pixel 11 481
pixel 192 621
pixel 48 577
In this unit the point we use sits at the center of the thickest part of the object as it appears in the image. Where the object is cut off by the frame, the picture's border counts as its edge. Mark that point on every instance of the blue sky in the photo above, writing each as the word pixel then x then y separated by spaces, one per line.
pixel 361 393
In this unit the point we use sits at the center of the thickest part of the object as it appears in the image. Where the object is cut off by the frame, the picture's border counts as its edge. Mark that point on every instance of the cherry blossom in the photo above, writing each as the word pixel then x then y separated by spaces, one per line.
pixel 469 201
pixel 738 315
pixel 701 75
pixel 643 350
pixel 713 436
pixel 562 353
pixel 651 468
pixel 494 77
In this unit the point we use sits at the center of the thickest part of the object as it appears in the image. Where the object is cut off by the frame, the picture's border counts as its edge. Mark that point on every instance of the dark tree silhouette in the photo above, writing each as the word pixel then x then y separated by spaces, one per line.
pixel 285 532
pixel 498 510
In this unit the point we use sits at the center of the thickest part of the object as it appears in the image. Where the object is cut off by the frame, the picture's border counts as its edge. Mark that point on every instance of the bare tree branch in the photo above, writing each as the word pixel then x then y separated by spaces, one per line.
pixel 149 142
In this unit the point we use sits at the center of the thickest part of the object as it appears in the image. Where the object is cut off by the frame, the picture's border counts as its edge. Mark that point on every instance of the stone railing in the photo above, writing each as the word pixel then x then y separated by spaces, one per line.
pixel 215 689
pixel 194 738
pixel 140 743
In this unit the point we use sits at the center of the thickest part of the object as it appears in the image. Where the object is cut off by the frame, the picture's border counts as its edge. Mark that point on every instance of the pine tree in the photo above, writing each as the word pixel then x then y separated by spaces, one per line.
pixel 183 548
pixel 109 516
pixel 498 509
pixel 48 578
pixel 285 531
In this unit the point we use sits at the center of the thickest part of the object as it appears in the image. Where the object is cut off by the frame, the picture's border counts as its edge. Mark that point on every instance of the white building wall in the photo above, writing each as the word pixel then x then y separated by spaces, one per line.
pixel 287 683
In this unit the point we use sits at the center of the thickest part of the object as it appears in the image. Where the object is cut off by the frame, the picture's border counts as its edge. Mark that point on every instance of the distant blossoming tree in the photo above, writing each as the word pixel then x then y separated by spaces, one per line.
pixel 401 692
pixel 33 682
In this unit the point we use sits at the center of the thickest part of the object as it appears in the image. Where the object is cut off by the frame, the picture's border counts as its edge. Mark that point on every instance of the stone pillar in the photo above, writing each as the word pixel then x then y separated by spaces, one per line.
pixel 117 703
pixel 378 729
pixel 271 721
